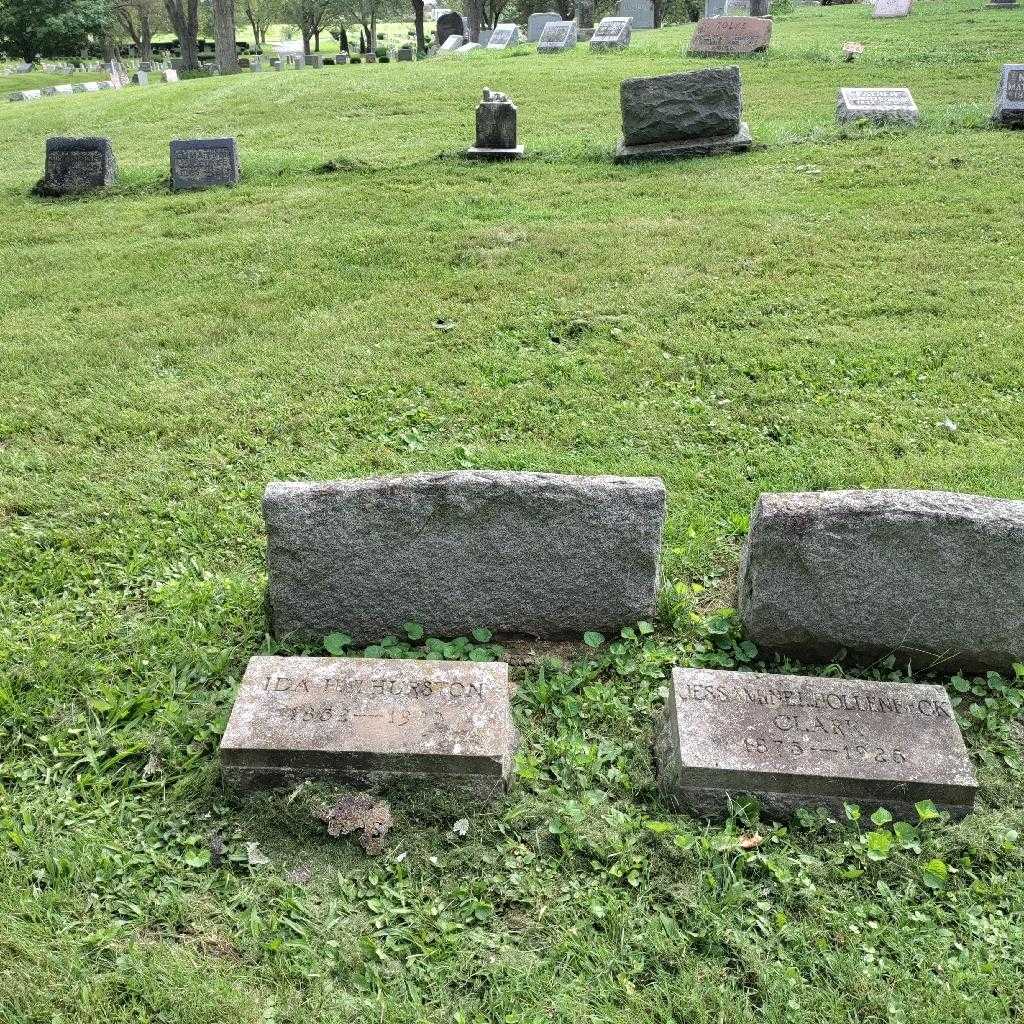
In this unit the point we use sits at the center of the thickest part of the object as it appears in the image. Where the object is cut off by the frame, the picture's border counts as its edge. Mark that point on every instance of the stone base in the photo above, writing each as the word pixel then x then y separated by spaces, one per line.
pixel 738 143
pixel 478 153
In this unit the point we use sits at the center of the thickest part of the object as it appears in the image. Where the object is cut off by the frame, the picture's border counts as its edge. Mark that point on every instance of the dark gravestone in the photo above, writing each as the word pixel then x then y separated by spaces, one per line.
pixel 883 106
pixel 1002 5
pixel 682 114
pixel 367 721
pixel 496 127
pixel 799 741
pixel 725 37
pixel 533 554
pixel 585 14
pixel 198 164
pixel 450 24
pixel 81 165
pixel 1010 98
pixel 557 36
pixel 932 577
pixel 611 34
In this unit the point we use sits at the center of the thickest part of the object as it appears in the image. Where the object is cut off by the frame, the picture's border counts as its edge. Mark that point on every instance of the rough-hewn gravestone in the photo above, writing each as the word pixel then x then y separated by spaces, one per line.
pixel 503 37
pixel 932 577
pixel 536 22
pixel 557 36
pixel 315 60
pixel 496 126
pixel 1010 98
pixel 799 741
pixel 878 105
pixel 725 37
pixel 203 163
pixel 533 554
pixel 683 114
pixel 611 34
pixel 80 165
pixel 640 11
pixel 891 8
pixel 449 24
pixel 360 720
pixel 451 44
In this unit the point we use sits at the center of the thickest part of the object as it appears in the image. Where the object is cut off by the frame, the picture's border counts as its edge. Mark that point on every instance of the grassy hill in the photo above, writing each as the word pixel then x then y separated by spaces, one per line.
pixel 817 313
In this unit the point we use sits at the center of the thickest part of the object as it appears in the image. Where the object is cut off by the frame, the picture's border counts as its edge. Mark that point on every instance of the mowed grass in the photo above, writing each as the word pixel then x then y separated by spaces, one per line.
pixel 809 315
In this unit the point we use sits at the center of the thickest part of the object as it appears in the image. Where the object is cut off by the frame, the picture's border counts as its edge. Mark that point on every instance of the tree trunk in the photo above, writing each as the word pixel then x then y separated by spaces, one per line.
pixel 305 41
pixel 417 13
pixel 184 18
pixel 224 34
pixel 473 19
pixel 145 36
pixel 316 41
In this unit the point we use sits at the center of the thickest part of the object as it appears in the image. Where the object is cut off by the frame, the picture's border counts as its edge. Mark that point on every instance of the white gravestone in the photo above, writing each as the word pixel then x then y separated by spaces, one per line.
pixel 879 105
pixel 536 22
pixel 558 36
pixel 503 36
pixel 611 34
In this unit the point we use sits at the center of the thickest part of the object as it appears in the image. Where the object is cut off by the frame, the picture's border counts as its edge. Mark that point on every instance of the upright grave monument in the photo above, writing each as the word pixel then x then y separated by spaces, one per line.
pixel 640 12
pixel 883 106
pixel 585 17
pixel 366 721
pixel 799 741
pixel 931 577
pixel 531 554
pixel 449 24
pixel 536 22
pixel 891 8
pixel 198 164
pixel 1010 98
pixel 682 114
pixel 557 36
pixel 78 165
pixel 496 127
pixel 503 36
pixel 611 34
pixel 726 37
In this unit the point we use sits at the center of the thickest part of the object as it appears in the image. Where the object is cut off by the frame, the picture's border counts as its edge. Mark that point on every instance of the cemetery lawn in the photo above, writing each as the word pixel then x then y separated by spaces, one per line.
pixel 834 309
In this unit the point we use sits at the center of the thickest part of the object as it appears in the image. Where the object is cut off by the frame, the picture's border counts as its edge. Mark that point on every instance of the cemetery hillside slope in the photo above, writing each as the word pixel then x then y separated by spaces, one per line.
pixel 838 308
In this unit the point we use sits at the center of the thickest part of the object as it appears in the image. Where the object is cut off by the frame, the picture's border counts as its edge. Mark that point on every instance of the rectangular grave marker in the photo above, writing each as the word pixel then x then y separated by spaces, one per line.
pixel 536 22
pixel 726 37
pixel 1010 98
pixel 878 105
pixel 451 44
pixel 557 36
pixel 611 34
pixel 798 741
pixel 641 12
pixel 891 8
pixel 203 163
pixel 76 165
pixel 503 36
pixel 364 720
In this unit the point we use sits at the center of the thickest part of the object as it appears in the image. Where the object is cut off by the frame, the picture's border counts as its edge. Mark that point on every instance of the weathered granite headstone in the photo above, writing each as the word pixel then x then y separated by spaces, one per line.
pixel 503 36
pixel 276 64
pixel 684 114
pixel 367 721
pixel 403 53
pixel 557 36
pixel 929 576
pixel 611 34
pixel 759 8
pixel 584 14
pixel 891 8
pixel 172 76
pixel 879 105
pixel 484 36
pixel 640 11
pixel 496 125
pixel 450 24
pixel 451 44
pixel 800 741
pixel 198 164
pixel 145 65
pixel 140 78
pixel 74 166
pixel 1010 98
pixel 532 554
pixel 723 37
pixel 342 58
pixel 57 90
pixel 536 22
pixel 315 60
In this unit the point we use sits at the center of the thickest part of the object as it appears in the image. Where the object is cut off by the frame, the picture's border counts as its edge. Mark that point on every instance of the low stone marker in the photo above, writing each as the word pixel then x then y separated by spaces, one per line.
pixel 883 106
pixel 58 90
pixel 557 36
pixel 532 554
pixel 496 127
pixel 449 24
pixel 315 60
pixel 891 8
pixel 851 51
pixel 684 114
pixel 26 94
pixel 171 75
pixel 536 22
pixel 78 165
pixel 198 164
pixel 403 53
pixel 1010 98
pixel 1002 5
pixel 503 37
pixel 931 577
pixel 368 721
pixel 611 34
pixel 799 741
pixel 451 44
pixel 466 48
pixel 726 37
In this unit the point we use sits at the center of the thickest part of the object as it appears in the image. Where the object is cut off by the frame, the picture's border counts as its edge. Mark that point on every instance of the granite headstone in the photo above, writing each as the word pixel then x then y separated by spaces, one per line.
pixel 724 37
pixel 611 34
pixel 198 164
pixel 1010 98
pixel 557 36
pixel 536 22
pixel 883 106
pixel 77 165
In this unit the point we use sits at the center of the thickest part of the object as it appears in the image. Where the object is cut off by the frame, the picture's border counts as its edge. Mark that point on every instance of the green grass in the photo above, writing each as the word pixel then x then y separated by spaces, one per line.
pixel 803 316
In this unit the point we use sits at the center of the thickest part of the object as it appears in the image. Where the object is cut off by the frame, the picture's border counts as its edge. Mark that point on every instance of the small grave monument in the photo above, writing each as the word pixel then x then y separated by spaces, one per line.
pixel 369 722
pixel 684 114
pixel 467 48
pixel 403 53
pixel 536 22
pixel 140 78
pixel 891 8
pixel 557 36
pixel 26 94
pixel 585 15
pixel 799 741
pixel 315 60
pixel 640 12
pixel 198 164
pixel 171 75
pixel 727 37
pixel 883 106
pixel 449 24
pixel 74 166
pixel 1010 98
pixel 611 34
pixel 714 8
pixel 451 44
pixel 495 129
pixel 503 36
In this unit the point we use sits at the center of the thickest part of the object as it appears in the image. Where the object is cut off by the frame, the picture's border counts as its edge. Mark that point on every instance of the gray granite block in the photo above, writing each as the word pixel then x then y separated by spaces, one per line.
pixel 77 165
pixel 198 164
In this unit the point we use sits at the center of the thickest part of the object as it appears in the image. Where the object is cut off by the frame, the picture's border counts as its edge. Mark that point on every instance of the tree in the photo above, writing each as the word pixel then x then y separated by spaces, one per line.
pixel 136 18
pixel 261 15
pixel 52 28
pixel 184 16
pixel 224 36
pixel 312 17
pixel 368 13
pixel 417 17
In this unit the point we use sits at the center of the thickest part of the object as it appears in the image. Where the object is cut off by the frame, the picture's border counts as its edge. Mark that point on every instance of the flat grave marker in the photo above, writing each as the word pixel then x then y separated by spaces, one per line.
pixel 727 37
pixel 198 164
pixel 451 44
pixel 503 36
pixel 891 9
pixel 558 36
pixel 611 34
pixel 883 106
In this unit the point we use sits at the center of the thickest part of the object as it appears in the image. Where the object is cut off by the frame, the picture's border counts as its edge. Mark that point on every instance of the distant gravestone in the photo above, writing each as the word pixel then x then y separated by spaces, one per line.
pixel 557 36
pixel 585 14
pixel 611 34
pixel 74 166
pixel 403 53
pixel 451 44
pixel 724 37
pixel 450 24
pixel 879 105
pixel 367 721
pixel 536 22
pixel 928 576
pixel 57 90
pixel 496 128
pixel 198 164
pixel 172 76
pixel 140 78
pixel 891 8
pixel 1002 5
pixel 1010 98
pixel 503 37
pixel 315 60
pixel 532 554
pixel 800 741
pixel 26 95
pixel 468 48
pixel 641 12
pixel 683 114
